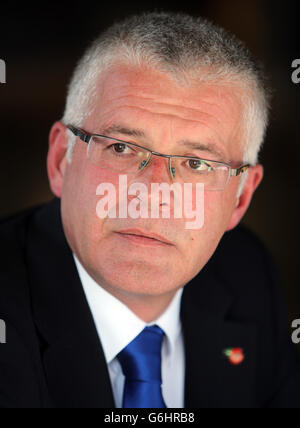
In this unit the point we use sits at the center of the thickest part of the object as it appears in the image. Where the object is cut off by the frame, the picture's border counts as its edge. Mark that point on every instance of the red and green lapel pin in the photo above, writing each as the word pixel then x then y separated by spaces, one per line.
pixel 235 355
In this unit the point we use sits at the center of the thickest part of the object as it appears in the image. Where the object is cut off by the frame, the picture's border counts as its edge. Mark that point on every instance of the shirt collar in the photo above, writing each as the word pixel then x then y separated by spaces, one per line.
pixel 117 325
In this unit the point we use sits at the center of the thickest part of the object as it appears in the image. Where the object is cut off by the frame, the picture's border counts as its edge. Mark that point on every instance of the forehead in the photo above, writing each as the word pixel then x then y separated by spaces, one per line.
pixel 146 98
pixel 121 81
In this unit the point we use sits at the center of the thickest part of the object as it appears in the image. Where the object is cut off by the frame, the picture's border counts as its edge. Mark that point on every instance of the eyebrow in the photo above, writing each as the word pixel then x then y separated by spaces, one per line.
pixel 119 129
pixel 211 148
pixel 139 133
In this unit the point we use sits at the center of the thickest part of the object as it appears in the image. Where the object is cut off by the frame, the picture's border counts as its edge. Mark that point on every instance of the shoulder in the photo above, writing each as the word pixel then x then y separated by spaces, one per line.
pixel 19 355
pixel 14 291
pixel 246 268
pixel 13 255
pixel 13 232
pixel 243 255
pixel 15 302
pixel 242 240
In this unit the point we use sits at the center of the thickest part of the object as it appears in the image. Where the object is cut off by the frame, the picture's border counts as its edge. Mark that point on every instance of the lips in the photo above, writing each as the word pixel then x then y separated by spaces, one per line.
pixel 140 233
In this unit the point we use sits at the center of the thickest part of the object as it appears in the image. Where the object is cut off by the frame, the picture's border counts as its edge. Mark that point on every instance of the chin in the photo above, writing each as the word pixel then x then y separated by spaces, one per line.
pixel 150 291
pixel 137 280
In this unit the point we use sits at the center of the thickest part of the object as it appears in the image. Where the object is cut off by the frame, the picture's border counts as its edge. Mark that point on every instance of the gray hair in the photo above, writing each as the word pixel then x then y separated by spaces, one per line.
pixel 188 49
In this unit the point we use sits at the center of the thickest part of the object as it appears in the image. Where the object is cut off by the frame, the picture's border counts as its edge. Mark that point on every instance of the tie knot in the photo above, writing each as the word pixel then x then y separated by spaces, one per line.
pixel 141 359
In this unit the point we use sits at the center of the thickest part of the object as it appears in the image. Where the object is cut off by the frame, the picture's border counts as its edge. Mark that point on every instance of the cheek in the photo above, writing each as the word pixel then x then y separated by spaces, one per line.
pixel 86 181
pixel 216 217
pixel 199 245
pixel 219 207
pixel 214 210
pixel 80 196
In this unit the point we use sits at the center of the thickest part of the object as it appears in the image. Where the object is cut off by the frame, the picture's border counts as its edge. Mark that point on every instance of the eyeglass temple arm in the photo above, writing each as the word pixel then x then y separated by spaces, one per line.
pixel 82 135
pixel 241 170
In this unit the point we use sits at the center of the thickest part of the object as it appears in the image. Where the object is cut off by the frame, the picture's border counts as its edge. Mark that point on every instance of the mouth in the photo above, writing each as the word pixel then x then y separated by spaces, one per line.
pixel 140 237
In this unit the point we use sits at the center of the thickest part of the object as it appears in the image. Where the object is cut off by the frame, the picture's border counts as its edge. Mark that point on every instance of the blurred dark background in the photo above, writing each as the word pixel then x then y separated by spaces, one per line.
pixel 41 45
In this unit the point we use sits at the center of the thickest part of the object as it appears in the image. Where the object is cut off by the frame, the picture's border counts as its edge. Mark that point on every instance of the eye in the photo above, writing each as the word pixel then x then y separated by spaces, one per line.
pixel 120 149
pixel 198 165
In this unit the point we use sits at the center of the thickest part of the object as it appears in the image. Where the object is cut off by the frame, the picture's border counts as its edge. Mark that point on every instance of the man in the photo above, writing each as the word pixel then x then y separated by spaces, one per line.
pixel 136 311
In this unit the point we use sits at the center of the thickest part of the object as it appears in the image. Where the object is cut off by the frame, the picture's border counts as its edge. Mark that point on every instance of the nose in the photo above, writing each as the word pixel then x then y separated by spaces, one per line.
pixel 154 171
pixel 158 166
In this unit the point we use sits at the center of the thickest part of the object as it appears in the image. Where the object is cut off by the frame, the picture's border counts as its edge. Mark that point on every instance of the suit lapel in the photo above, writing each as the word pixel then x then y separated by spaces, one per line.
pixel 73 358
pixel 212 381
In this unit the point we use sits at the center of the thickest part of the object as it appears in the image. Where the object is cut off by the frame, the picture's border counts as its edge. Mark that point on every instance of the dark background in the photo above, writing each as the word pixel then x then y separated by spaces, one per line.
pixel 41 45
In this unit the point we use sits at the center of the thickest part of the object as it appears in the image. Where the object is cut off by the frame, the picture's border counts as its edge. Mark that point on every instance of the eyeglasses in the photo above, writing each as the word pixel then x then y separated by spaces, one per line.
pixel 122 156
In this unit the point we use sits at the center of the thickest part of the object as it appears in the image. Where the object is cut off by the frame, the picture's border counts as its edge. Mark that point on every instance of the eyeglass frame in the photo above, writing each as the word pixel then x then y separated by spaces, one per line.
pixel 86 138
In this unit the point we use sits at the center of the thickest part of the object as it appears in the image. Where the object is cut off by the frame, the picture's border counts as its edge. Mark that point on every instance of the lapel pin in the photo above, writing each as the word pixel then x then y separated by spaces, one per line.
pixel 235 355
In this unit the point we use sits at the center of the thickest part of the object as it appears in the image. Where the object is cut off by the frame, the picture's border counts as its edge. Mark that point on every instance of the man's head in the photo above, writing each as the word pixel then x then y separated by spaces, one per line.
pixel 158 80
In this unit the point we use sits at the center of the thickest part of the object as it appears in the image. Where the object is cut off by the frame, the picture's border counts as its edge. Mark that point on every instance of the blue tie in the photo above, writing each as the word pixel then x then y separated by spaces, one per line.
pixel 141 365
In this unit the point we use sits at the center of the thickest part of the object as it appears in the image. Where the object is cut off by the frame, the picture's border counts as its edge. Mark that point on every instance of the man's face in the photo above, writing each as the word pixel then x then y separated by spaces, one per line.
pixel 167 114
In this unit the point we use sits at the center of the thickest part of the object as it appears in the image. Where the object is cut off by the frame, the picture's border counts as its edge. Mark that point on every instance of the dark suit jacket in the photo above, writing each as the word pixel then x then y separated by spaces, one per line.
pixel 53 356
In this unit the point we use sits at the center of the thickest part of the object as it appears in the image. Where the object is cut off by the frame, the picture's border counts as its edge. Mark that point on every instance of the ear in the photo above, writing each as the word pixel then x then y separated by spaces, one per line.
pixel 56 160
pixel 255 176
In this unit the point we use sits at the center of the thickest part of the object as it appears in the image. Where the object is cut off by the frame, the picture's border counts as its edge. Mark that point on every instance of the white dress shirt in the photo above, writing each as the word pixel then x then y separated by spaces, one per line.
pixel 117 326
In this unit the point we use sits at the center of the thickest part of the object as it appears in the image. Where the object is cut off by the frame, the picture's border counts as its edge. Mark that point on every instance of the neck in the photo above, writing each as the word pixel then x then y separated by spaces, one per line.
pixel 147 308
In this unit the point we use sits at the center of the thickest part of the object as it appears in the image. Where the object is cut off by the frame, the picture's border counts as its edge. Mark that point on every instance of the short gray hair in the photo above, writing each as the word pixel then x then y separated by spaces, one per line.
pixel 186 48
